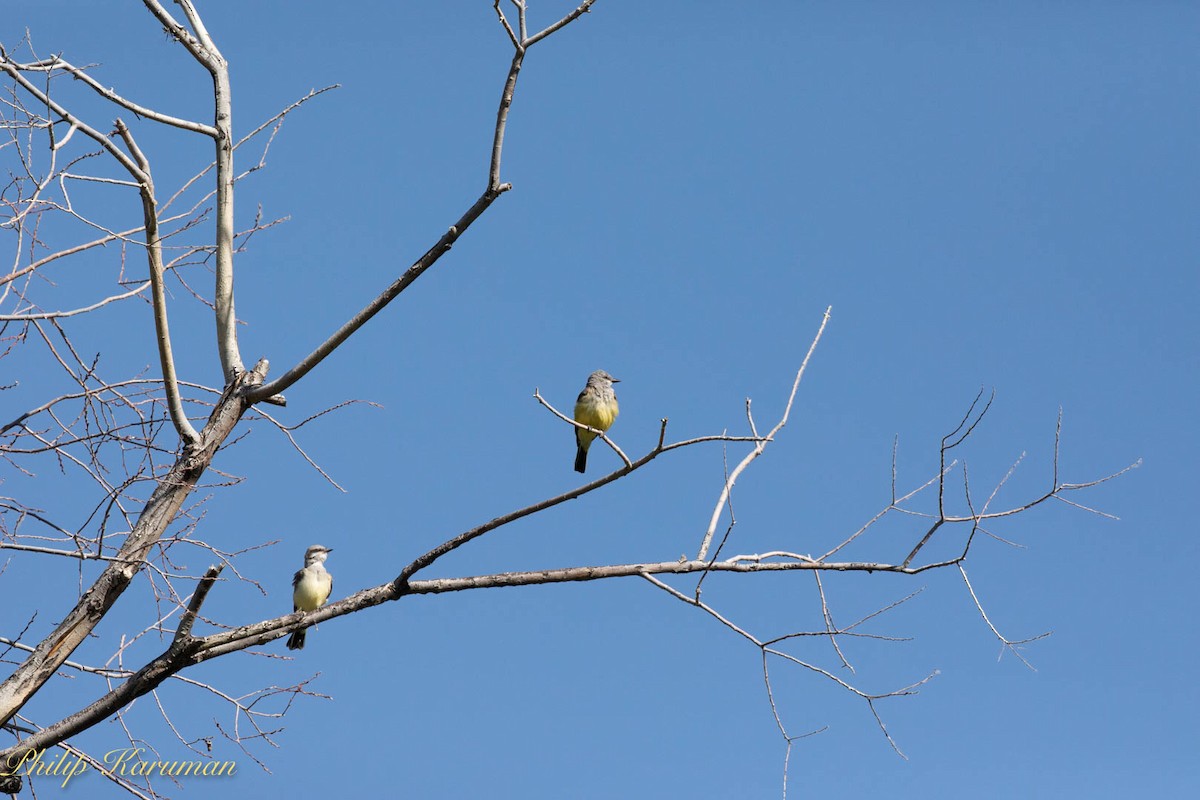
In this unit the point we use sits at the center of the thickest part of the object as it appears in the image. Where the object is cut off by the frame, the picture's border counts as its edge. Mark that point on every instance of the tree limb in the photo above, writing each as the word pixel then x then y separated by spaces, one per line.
pixel 761 446
pixel 494 189
pixel 162 330
pixel 160 510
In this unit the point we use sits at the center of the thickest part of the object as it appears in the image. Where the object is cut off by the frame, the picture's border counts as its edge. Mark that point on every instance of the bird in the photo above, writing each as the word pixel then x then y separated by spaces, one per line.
pixel 597 408
pixel 310 588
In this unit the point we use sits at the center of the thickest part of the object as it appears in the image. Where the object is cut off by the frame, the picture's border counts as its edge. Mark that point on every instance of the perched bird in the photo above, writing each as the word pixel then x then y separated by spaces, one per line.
pixel 596 408
pixel 310 588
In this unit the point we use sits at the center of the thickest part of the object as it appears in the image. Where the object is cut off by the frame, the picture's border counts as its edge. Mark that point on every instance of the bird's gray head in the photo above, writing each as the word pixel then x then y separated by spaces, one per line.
pixel 600 377
pixel 316 554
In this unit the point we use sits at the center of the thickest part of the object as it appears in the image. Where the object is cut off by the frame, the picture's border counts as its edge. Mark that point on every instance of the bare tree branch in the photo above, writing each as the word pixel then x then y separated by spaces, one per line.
pixel 15 70
pixel 115 435
pixel 154 255
pixel 56 62
pixel 205 51
pixel 762 445
pixel 494 189
pixel 160 510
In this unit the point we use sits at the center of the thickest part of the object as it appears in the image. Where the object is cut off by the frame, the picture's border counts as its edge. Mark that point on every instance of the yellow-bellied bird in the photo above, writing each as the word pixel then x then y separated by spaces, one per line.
pixel 310 588
pixel 597 408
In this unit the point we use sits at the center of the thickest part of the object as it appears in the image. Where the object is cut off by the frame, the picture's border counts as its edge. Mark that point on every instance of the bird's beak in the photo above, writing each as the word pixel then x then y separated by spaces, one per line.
pixel 616 380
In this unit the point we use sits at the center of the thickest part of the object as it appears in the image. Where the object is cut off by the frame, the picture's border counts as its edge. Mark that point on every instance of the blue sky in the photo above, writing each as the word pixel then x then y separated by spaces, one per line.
pixel 988 196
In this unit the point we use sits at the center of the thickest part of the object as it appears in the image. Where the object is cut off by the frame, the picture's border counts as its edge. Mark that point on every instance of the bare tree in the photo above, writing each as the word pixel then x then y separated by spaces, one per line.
pixel 132 448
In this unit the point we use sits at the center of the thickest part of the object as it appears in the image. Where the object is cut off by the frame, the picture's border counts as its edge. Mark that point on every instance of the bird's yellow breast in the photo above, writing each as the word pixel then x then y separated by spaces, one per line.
pixel 311 594
pixel 596 415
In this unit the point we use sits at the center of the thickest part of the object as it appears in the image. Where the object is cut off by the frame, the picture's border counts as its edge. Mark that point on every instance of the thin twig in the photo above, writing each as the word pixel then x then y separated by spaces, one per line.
pixel 758 448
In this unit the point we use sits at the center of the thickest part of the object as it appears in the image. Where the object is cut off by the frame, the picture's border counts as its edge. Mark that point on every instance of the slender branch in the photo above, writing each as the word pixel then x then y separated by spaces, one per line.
pixel 443 245
pixel 204 50
pixel 630 466
pixel 180 33
pixel 268 630
pixel 574 15
pixel 494 189
pixel 67 313
pixel 1011 646
pixel 140 683
pixel 15 71
pixel 946 448
pixel 157 514
pixel 159 294
pixel 34 266
pixel 227 344
pixel 51 64
pixel 506 100
pixel 893 506
pixel 512 36
pixel 139 168
pixel 830 627
pixel 763 646
pixel 184 631
pixel 50 551
pixel 107 387
pixel 761 446
pixel 599 433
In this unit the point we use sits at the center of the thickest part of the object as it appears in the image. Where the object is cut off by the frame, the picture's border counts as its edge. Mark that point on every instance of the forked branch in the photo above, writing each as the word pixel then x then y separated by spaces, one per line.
pixel 443 245
pixel 202 47
pixel 138 167
pixel 723 498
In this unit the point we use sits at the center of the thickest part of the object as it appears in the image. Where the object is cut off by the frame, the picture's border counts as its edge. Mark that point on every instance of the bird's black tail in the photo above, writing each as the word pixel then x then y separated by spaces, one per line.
pixel 580 459
pixel 296 640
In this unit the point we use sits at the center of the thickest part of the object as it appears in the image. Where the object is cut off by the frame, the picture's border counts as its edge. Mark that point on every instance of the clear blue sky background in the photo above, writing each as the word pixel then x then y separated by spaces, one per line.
pixel 988 195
